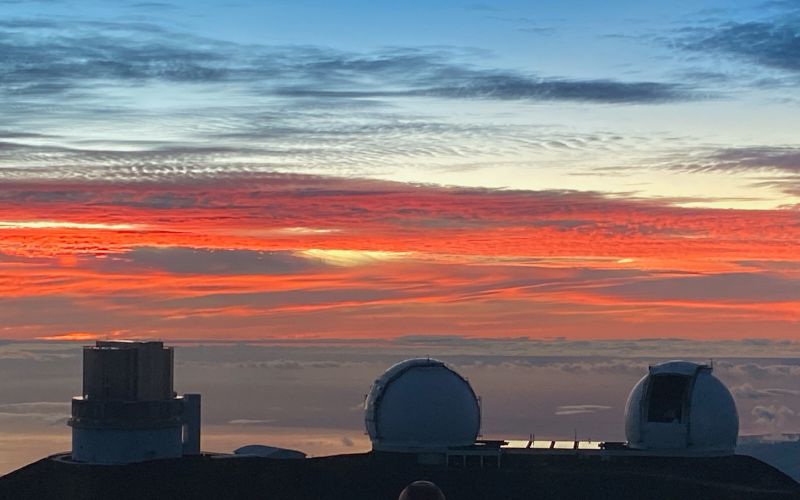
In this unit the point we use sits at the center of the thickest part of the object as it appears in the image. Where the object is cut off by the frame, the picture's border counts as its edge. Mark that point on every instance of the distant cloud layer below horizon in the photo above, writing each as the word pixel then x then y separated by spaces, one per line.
pixel 310 397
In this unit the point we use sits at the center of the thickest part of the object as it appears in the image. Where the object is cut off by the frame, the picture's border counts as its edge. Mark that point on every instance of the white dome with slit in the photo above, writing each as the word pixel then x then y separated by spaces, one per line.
pixel 421 404
pixel 681 406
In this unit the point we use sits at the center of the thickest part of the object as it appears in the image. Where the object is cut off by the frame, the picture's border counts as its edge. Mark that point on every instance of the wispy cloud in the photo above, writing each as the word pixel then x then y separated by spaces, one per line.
pixel 747 158
pixel 772 43
pixel 251 421
pixel 44 411
pixel 776 167
pixel 580 409
pixel 43 58
pixel 747 391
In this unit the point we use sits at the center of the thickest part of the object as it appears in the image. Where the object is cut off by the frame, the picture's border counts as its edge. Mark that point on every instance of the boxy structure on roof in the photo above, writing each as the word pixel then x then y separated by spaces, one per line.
pixel 128 411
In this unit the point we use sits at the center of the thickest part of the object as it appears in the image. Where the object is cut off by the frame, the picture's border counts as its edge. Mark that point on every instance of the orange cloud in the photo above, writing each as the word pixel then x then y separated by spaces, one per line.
pixel 286 255
pixel 73 336
pixel 341 214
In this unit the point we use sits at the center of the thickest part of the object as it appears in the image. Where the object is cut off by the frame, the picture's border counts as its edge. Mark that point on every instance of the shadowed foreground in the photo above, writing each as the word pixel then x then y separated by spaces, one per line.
pixel 374 476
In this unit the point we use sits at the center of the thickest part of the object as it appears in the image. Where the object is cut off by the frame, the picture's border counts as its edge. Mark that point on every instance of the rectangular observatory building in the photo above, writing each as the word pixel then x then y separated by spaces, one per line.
pixel 128 411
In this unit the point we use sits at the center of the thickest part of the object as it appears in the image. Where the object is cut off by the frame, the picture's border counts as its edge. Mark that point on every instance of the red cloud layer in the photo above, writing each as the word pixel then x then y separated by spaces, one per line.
pixel 475 262
pixel 373 215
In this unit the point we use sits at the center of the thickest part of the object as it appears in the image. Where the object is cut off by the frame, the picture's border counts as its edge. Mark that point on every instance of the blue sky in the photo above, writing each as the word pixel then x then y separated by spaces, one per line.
pixel 681 100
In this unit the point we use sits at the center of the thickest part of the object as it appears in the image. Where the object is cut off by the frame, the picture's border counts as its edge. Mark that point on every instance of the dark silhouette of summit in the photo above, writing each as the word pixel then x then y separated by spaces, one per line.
pixel 376 476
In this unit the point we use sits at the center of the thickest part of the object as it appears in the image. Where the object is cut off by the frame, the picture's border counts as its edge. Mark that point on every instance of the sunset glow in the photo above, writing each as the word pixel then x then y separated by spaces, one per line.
pixel 509 170
pixel 402 260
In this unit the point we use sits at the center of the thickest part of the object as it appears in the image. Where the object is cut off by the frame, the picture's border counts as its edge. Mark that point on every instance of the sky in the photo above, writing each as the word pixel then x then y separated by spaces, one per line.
pixel 577 180
pixel 207 170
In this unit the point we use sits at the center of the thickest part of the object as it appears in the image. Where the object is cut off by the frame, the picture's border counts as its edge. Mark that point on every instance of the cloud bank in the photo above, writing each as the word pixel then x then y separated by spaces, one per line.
pixel 42 58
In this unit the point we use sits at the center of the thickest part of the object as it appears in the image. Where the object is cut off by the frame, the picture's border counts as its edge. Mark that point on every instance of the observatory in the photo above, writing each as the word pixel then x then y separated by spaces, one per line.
pixel 128 411
pixel 680 407
pixel 423 419
pixel 421 404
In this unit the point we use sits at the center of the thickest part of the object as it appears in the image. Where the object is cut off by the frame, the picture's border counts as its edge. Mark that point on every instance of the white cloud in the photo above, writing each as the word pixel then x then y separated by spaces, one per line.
pixel 350 258
pixel 580 409
pixel 747 391
pixel 251 421
pixel 46 412
pixel 50 224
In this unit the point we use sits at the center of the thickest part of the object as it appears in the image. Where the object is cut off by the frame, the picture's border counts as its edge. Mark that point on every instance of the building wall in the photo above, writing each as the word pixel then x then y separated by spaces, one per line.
pixel 117 446
pixel 131 372
pixel 154 372
pixel 109 374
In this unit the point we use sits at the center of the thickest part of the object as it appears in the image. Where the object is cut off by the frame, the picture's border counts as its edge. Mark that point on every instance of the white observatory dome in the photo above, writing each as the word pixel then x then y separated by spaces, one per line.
pixel 421 403
pixel 681 405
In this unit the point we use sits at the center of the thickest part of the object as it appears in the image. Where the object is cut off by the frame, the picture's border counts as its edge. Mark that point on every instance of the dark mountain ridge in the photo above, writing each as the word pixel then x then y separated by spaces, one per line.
pixel 378 476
